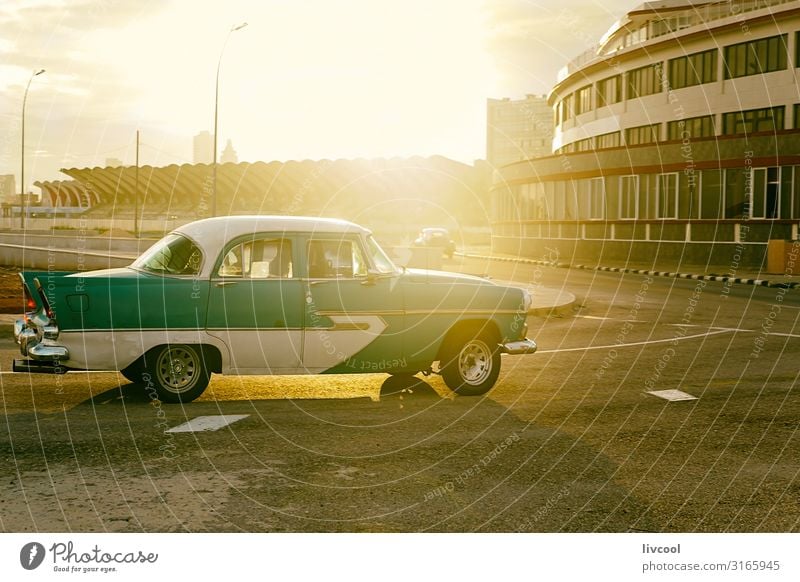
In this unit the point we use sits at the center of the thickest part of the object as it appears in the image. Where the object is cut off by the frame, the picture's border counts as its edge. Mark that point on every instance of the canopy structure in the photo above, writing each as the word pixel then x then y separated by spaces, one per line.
pixel 260 187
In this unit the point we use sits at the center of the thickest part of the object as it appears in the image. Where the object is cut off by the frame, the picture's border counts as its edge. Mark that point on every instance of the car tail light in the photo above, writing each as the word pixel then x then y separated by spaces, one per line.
pixel 30 302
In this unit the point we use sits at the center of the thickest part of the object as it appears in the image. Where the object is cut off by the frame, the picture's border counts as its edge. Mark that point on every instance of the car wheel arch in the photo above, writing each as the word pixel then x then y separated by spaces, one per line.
pixel 466 326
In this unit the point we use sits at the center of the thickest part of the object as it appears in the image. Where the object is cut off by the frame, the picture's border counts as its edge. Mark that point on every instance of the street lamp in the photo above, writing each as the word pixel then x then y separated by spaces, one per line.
pixel 22 170
pixel 216 117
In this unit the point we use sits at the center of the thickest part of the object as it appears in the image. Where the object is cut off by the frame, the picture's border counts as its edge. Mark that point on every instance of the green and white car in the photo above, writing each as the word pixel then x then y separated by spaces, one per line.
pixel 269 295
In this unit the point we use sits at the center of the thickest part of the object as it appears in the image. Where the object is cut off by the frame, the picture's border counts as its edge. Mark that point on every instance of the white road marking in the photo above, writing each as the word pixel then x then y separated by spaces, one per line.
pixel 673 395
pixel 208 423
pixel 628 345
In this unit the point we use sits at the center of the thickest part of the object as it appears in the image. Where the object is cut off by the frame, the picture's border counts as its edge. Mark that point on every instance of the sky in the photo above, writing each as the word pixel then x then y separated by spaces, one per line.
pixel 305 79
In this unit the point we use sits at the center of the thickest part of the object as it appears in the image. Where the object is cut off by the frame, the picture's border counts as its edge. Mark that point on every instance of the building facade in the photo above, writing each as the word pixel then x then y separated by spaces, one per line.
pixel 677 136
pixel 518 129
pixel 203 148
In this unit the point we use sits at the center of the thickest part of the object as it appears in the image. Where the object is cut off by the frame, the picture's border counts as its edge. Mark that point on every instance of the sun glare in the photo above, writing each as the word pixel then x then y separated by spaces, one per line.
pixel 313 79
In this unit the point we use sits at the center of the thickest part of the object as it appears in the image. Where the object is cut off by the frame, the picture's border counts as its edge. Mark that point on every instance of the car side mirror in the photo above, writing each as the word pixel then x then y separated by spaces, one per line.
pixel 371 278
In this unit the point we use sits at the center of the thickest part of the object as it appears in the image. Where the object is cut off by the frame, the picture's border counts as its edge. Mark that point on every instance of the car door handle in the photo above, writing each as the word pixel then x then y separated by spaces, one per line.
pixel 225 283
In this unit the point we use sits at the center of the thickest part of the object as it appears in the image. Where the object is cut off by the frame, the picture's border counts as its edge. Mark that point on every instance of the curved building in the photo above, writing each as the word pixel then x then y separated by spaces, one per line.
pixel 676 137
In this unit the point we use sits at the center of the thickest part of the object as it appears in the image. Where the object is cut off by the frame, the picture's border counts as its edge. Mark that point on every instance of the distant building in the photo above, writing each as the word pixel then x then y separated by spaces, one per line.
pixel 113 163
pixel 203 148
pixel 518 129
pixel 229 154
pixel 677 137
pixel 8 189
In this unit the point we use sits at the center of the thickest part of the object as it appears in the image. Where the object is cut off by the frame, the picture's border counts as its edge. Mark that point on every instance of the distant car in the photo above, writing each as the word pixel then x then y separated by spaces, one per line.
pixel 436 238
pixel 268 295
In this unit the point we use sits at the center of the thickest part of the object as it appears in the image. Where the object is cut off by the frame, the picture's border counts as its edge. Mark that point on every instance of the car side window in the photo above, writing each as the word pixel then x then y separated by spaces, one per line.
pixel 259 259
pixel 332 259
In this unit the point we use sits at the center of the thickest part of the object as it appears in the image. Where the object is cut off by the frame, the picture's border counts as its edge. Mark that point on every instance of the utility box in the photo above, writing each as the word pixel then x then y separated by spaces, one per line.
pixel 783 257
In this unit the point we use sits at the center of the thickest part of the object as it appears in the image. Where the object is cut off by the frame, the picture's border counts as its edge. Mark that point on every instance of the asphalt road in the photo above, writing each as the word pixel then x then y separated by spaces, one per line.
pixel 569 440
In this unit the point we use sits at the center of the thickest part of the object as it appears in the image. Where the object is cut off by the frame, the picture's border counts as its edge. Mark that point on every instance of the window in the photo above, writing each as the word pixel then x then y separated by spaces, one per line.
pixel 597 198
pixel 691 128
pixel 693 70
pixel 628 196
pixel 736 204
pixel 667 195
pixel 331 259
pixel 644 81
pixel 765 196
pixel 609 91
pixel 755 57
pixel 173 255
pixel 607 140
pixel 753 121
pixel 666 25
pixel 797 49
pixel 382 262
pixel 711 201
pixel 567 107
pixel 584 100
pixel 583 145
pixel 643 134
pixel 797 116
pixel 258 259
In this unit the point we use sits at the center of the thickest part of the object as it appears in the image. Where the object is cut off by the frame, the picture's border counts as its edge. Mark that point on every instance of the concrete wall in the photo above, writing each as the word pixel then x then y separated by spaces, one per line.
pixel 661 255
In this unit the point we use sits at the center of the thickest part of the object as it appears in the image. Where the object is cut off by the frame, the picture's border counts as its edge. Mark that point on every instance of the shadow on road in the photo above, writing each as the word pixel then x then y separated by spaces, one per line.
pixel 412 461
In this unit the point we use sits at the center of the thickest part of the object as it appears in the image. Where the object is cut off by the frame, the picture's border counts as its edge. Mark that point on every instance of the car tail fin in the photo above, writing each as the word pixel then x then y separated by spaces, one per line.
pixel 29 301
pixel 43 296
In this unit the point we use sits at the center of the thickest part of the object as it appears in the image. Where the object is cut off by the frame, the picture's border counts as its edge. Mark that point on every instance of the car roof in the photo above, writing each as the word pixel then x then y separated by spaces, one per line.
pixel 213 233
pixel 233 226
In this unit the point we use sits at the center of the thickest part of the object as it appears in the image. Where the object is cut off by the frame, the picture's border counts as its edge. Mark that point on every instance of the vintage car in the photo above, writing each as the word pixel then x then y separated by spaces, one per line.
pixel 436 237
pixel 268 295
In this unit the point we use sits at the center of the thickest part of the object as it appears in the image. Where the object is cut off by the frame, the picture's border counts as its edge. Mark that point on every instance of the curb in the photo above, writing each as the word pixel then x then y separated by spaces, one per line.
pixel 674 275
pixel 552 311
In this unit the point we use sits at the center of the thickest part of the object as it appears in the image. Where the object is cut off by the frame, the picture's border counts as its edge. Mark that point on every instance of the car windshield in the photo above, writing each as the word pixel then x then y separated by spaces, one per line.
pixel 381 260
pixel 172 255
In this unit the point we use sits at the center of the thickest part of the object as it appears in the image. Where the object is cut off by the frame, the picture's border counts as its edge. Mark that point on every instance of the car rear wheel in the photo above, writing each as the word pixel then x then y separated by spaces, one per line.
pixel 178 372
pixel 470 363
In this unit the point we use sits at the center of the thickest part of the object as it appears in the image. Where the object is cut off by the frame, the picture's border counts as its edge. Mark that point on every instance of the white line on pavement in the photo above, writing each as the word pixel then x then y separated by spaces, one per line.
pixel 632 344
pixel 208 423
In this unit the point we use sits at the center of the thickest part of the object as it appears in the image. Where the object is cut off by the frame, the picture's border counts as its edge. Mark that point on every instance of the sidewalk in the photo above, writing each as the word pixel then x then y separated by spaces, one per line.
pixel 724 273
pixel 546 300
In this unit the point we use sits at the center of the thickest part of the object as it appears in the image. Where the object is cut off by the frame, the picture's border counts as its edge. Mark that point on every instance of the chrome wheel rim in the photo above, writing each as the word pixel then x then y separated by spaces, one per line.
pixel 177 369
pixel 475 362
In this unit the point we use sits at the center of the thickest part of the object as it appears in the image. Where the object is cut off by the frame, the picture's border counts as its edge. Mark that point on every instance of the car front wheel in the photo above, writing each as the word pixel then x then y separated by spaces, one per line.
pixel 470 363
pixel 177 372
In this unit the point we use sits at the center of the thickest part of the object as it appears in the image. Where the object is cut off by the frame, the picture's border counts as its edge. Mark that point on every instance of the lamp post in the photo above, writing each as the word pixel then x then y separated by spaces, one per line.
pixel 216 116
pixel 22 153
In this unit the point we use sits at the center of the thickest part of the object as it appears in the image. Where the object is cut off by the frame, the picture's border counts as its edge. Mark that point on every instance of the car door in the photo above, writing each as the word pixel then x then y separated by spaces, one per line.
pixel 256 304
pixel 353 317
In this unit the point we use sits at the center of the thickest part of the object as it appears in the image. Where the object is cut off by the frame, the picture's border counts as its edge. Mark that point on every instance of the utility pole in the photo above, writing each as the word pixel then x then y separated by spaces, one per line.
pixel 22 153
pixel 136 192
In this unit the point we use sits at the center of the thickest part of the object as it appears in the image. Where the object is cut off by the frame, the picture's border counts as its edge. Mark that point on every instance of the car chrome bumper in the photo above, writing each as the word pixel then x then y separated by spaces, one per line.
pixel 525 346
pixel 38 344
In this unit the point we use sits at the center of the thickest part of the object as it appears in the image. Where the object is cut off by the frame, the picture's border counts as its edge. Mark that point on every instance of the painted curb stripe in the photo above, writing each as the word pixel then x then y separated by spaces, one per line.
pixel 756 282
